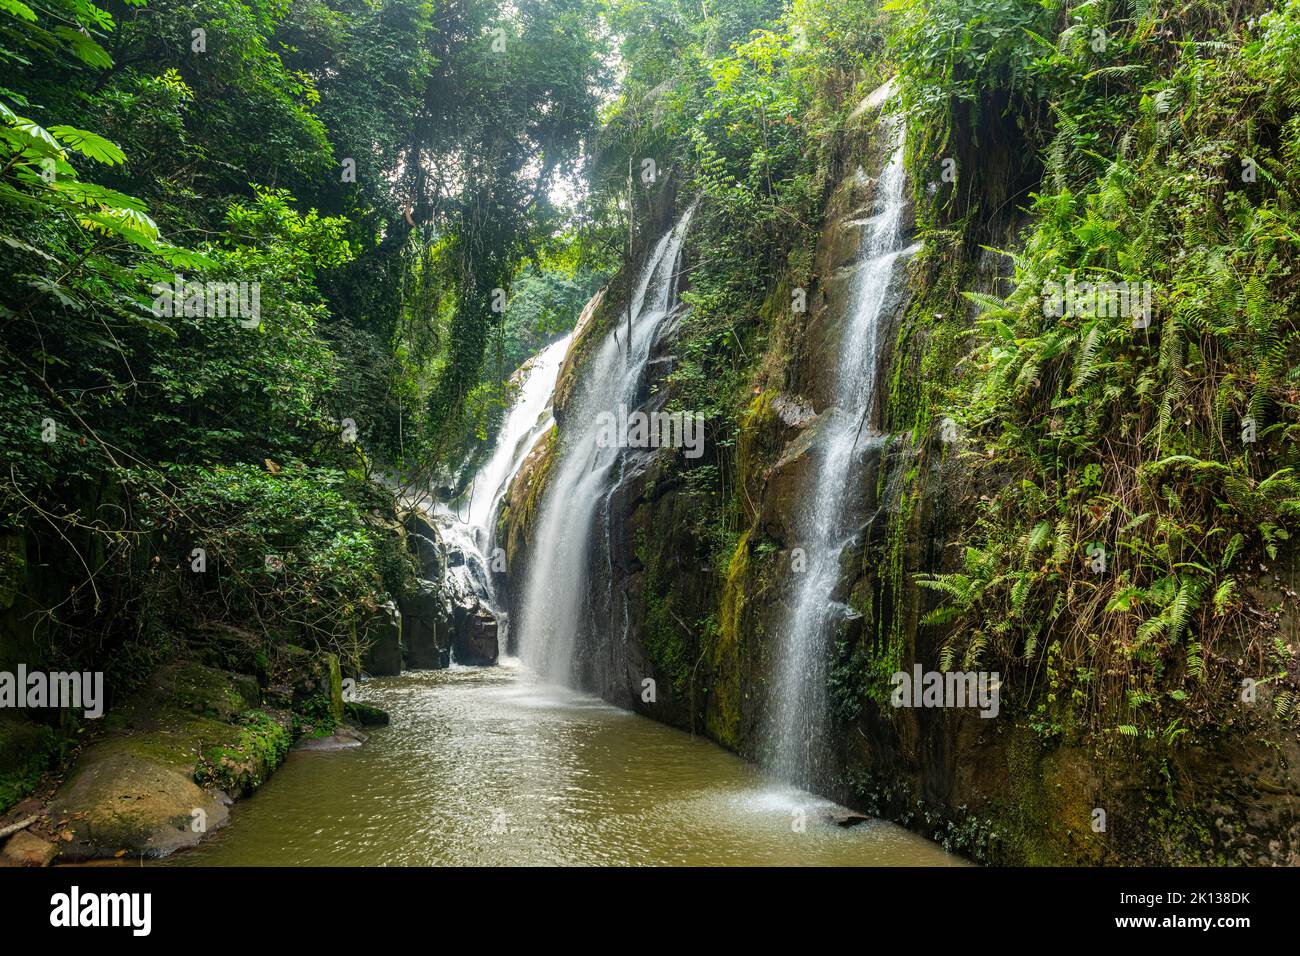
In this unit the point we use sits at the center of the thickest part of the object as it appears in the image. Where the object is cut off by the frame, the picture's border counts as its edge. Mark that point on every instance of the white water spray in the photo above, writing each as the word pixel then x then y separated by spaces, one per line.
pixel 472 530
pixel 828 522
pixel 557 592
pixel 528 420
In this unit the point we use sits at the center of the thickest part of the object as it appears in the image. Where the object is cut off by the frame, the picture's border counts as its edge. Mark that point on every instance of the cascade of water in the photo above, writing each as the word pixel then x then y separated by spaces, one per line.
pixel 472 530
pixel 827 522
pixel 557 590
pixel 528 420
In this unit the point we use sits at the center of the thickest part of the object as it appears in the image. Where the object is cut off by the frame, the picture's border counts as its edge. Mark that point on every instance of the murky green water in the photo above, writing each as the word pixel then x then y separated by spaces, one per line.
pixel 488 767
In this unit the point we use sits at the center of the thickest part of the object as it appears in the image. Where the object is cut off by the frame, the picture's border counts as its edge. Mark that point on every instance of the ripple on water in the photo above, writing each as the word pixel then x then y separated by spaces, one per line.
pixel 487 766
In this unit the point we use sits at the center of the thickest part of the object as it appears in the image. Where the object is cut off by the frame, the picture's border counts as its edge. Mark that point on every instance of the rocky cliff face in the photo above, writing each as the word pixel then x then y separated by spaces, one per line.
pixel 999 789
pixel 442 617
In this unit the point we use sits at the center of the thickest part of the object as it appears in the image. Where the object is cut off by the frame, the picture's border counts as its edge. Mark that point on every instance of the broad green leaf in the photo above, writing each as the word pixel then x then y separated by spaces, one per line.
pixel 20 10
pixel 90 144
pixel 85 49
pixel 34 131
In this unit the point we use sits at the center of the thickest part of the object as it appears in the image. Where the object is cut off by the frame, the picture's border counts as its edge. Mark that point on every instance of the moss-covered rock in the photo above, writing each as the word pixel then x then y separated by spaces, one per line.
pixel 119 800
pixel 242 758
pixel 207 691
pixel 523 502
pixel 365 715
pixel 166 764
pixel 312 681
pixel 591 322
pixel 725 704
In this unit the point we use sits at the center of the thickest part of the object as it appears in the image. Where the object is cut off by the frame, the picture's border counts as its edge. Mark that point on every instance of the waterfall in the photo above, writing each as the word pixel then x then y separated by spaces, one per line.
pixel 471 529
pixel 557 593
pixel 828 520
pixel 529 419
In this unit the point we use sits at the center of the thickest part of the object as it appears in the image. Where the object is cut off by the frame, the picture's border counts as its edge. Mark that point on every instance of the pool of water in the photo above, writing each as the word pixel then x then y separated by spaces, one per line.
pixel 488 767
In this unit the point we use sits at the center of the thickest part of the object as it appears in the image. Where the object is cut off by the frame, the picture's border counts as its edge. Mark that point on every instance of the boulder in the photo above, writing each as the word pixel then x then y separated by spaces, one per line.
pixel 383 640
pixel 117 800
pixel 476 639
pixel 207 691
pixel 424 627
pixel 28 849
pixel 302 676
pixel 365 715
pixel 428 556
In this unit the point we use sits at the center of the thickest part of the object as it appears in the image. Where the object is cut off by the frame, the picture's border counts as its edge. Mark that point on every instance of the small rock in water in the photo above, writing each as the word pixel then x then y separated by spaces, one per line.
pixel 365 715
pixel 849 819
pixel 342 739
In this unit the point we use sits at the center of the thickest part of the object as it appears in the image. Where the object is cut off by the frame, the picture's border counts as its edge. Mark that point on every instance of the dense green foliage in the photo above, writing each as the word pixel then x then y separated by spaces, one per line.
pixel 251 253
pixel 427 191
pixel 1146 460
pixel 1104 143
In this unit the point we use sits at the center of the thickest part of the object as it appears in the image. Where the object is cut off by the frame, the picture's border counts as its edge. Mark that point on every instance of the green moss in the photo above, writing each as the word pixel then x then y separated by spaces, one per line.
pixel 518 518
pixel 209 692
pixel 752 451
pixel 335 687
pixel 173 738
pixel 365 715
pixel 243 760
pixel 27 750
pixel 665 643
pixel 723 720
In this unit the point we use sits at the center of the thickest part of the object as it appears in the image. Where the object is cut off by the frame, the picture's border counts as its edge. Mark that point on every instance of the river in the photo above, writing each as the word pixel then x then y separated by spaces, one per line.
pixel 489 767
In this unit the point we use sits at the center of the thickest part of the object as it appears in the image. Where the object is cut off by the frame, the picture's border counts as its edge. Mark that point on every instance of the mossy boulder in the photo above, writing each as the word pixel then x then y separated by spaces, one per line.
pixel 117 800
pixel 311 681
pixel 241 759
pixel 207 691
pixel 170 760
pixel 365 715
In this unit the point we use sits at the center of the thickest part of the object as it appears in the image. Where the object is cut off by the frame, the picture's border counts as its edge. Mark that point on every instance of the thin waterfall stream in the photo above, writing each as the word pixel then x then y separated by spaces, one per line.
pixel 829 522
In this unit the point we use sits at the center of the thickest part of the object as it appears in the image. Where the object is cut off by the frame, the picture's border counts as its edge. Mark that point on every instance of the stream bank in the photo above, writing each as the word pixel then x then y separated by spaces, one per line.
pixel 160 772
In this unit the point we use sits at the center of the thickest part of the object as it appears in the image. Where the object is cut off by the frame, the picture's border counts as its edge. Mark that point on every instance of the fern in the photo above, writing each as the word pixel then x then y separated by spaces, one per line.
pixel 1224 596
